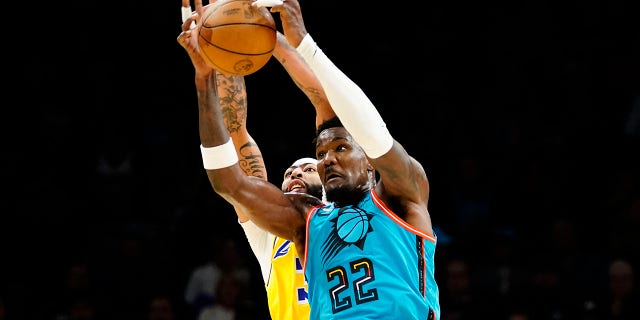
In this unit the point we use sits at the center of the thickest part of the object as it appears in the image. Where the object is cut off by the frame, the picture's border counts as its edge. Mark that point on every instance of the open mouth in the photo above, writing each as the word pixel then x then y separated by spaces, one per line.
pixel 297 186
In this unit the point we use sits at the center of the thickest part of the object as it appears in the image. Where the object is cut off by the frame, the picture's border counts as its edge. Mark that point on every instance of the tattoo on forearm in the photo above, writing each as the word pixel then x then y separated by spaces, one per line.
pixel 233 102
pixel 251 160
pixel 315 95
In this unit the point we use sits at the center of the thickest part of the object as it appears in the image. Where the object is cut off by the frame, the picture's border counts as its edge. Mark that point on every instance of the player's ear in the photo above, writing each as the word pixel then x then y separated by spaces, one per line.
pixel 370 167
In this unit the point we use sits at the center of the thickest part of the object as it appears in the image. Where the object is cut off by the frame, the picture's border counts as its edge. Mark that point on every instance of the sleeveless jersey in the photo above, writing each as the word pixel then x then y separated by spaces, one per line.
pixel 282 273
pixel 364 262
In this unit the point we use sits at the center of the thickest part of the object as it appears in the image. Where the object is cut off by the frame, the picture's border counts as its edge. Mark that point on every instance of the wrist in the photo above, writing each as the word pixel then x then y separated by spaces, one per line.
pixel 204 75
pixel 297 39
pixel 306 47
pixel 202 79
pixel 220 156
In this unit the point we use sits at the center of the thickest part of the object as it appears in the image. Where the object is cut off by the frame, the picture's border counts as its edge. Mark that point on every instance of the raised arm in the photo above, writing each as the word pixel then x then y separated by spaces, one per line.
pixel 232 99
pixel 402 178
pixel 304 78
pixel 261 201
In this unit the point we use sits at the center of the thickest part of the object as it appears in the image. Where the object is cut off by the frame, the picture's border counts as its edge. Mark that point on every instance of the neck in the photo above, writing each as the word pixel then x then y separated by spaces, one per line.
pixel 343 196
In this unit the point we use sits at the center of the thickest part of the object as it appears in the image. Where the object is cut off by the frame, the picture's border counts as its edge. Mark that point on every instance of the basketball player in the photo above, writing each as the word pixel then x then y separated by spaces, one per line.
pixel 281 268
pixel 287 291
pixel 369 252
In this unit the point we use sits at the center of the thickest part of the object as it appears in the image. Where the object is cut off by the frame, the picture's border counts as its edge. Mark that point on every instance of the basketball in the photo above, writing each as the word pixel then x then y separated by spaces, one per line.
pixel 352 225
pixel 236 38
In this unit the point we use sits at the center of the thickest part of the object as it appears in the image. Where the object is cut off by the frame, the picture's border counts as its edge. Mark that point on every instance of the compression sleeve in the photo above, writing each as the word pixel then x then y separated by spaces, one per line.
pixel 356 112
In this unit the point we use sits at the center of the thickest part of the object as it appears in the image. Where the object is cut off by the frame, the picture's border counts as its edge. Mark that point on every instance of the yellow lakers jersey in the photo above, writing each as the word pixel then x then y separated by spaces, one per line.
pixel 286 284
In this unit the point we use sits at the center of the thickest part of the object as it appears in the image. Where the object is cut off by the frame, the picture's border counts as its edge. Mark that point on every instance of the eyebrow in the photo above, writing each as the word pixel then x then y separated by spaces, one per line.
pixel 339 138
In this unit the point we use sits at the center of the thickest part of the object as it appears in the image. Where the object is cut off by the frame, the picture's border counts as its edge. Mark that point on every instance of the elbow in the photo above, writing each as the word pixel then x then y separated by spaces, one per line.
pixel 219 187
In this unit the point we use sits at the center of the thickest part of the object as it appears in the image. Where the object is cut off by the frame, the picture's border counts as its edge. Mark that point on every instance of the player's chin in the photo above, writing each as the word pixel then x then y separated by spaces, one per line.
pixel 332 183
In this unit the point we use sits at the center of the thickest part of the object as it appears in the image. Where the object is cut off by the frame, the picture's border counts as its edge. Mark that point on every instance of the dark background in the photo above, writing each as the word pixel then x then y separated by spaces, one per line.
pixel 525 115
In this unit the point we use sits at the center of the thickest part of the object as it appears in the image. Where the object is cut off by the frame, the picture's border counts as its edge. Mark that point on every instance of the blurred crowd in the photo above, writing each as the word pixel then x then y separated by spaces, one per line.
pixel 523 233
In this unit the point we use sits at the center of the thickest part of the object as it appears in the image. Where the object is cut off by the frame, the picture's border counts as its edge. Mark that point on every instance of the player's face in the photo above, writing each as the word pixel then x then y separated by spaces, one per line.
pixel 302 177
pixel 342 164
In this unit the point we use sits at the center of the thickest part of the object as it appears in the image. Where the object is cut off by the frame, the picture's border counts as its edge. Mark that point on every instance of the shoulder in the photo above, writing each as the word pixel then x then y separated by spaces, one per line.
pixel 303 201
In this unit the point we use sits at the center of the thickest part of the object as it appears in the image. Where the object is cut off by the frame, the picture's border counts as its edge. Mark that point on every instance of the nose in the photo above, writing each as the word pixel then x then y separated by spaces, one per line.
pixel 329 159
pixel 296 173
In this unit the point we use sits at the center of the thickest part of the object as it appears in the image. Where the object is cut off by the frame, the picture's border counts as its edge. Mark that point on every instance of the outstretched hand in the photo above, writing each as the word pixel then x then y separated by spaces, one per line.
pixel 292 22
pixel 188 38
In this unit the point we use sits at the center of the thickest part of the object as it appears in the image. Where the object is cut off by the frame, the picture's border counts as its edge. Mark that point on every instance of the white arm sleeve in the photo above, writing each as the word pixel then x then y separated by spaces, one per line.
pixel 356 112
pixel 261 243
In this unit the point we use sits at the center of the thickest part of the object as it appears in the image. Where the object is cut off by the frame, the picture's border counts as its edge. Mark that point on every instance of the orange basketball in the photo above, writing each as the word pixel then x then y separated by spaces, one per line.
pixel 236 38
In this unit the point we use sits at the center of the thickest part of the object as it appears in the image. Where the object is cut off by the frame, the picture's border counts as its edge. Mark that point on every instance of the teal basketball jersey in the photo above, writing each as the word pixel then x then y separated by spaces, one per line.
pixel 364 262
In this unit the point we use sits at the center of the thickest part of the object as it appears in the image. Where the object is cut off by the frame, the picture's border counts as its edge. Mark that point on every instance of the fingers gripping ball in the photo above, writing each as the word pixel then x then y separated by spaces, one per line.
pixel 237 38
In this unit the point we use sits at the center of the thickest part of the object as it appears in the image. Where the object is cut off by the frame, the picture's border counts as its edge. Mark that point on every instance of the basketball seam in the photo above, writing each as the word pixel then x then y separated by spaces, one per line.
pixel 262 21
pixel 204 26
pixel 236 52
